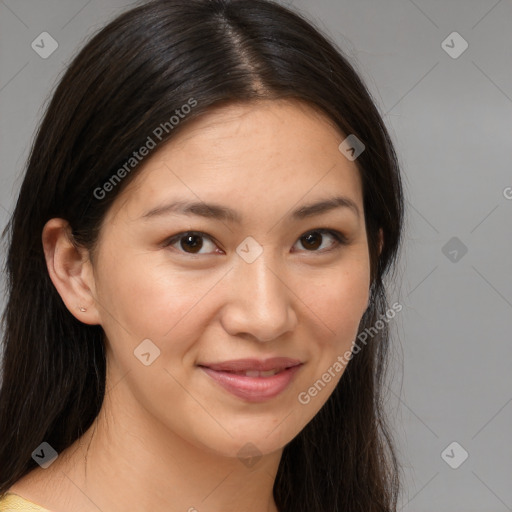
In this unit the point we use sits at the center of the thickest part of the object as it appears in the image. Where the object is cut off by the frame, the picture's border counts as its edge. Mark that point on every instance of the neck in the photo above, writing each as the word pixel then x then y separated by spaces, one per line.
pixel 129 459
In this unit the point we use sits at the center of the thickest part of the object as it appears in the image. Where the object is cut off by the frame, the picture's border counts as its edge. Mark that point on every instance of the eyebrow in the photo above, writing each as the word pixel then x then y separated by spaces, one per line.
pixel 215 211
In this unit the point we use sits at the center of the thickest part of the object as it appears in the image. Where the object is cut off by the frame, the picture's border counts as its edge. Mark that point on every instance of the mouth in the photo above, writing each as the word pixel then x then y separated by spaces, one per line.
pixel 241 366
pixel 253 380
pixel 256 373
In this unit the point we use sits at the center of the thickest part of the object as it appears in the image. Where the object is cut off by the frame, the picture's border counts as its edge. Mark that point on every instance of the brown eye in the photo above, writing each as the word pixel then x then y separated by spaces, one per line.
pixel 193 242
pixel 190 242
pixel 312 240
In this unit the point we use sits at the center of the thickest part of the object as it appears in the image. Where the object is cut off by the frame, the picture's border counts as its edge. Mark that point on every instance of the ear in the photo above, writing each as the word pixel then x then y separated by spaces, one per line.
pixel 70 270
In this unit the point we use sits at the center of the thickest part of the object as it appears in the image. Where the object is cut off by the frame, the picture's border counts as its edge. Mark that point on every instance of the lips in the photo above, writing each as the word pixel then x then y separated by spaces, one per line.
pixel 251 379
pixel 255 366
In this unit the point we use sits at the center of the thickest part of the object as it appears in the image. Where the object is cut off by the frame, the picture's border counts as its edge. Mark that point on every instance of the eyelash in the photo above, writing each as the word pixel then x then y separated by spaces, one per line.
pixel 340 239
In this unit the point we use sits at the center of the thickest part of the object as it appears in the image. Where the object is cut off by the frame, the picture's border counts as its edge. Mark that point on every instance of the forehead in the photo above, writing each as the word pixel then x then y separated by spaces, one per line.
pixel 259 154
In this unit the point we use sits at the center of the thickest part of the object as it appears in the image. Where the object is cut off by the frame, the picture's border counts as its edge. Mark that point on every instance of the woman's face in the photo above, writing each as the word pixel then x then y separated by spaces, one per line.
pixel 262 276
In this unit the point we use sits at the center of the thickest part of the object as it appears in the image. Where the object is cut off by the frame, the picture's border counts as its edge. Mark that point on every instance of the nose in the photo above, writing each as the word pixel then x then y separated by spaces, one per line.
pixel 260 302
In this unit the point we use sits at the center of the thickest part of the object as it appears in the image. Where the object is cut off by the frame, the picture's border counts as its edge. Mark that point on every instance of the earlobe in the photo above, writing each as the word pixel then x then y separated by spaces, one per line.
pixel 381 241
pixel 70 271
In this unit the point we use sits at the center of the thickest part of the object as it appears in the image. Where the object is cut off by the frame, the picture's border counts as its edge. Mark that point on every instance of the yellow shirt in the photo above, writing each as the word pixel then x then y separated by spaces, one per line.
pixel 11 502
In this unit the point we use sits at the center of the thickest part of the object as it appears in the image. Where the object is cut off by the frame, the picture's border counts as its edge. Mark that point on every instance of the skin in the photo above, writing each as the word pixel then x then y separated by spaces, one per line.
pixel 168 436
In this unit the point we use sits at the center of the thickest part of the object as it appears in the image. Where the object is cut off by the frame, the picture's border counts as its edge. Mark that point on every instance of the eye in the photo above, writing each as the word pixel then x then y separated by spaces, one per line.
pixel 312 240
pixel 189 242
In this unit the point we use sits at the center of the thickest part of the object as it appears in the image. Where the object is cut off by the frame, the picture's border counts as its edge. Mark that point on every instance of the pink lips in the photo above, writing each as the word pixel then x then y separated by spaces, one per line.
pixel 252 379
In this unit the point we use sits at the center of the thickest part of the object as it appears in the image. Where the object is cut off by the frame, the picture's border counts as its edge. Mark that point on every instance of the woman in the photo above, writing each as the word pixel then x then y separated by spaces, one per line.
pixel 210 206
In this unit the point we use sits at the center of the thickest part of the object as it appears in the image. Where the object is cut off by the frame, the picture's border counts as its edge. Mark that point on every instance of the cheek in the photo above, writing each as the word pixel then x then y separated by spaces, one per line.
pixel 149 299
pixel 340 302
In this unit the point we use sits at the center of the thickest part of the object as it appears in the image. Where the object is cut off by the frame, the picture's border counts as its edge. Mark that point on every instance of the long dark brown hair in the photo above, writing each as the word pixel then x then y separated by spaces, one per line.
pixel 127 80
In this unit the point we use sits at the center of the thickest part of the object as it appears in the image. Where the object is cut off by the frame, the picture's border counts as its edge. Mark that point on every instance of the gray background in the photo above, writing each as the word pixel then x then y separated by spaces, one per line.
pixel 451 120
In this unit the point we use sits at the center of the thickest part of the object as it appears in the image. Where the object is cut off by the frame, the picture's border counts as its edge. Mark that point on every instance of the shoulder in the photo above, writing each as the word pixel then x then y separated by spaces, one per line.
pixel 11 502
pixel 41 490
